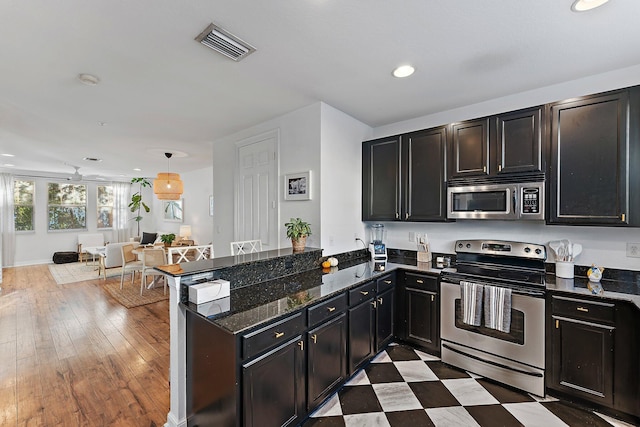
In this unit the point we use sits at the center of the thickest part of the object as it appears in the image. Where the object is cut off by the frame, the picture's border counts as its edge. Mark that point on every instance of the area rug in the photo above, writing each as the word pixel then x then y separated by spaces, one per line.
pixel 78 272
pixel 129 296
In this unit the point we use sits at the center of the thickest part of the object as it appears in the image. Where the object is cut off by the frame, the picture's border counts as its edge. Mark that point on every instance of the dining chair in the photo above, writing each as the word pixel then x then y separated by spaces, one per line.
pixel 246 247
pixel 178 254
pixel 130 263
pixel 151 258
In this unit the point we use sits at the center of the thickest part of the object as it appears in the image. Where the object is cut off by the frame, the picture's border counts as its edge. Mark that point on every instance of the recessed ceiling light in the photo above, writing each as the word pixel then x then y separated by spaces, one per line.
pixel 584 5
pixel 403 71
pixel 9 165
pixel 137 169
pixel 102 123
pixel 92 159
pixel 7 155
pixel 88 79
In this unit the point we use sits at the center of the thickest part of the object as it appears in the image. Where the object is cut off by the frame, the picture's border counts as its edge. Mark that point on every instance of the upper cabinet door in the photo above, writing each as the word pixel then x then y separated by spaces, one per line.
pixel 519 147
pixel 588 169
pixel 470 148
pixel 425 192
pixel 381 179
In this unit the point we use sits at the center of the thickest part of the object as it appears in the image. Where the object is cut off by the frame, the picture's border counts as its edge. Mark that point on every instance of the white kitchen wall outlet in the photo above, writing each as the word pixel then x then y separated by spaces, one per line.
pixel 633 250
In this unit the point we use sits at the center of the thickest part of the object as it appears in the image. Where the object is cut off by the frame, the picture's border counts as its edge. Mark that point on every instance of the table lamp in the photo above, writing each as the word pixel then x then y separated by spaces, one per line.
pixel 185 231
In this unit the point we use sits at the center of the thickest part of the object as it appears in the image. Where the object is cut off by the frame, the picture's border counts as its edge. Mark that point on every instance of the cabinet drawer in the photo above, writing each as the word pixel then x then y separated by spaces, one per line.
pixel 385 282
pixel 362 293
pixel 594 311
pixel 421 281
pixel 275 334
pixel 327 309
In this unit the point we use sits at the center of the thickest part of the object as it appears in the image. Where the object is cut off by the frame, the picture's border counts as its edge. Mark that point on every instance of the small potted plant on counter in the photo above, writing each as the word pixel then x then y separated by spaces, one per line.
pixel 298 231
pixel 168 239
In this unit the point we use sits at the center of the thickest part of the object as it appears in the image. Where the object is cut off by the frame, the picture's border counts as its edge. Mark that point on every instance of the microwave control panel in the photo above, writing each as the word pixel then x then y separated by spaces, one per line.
pixel 531 200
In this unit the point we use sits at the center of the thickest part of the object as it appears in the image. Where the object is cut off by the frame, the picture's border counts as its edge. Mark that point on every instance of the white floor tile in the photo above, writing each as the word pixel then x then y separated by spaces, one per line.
pixel 383 357
pixel 454 416
pixel 533 414
pixel 372 419
pixel 360 378
pixel 613 421
pixel 426 357
pixel 468 392
pixel 415 371
pixel 330 408
pixel 396 397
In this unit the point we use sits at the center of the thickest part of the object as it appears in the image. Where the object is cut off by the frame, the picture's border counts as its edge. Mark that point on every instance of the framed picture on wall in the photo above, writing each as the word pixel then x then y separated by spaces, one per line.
pixel 173 210
pixel 297 186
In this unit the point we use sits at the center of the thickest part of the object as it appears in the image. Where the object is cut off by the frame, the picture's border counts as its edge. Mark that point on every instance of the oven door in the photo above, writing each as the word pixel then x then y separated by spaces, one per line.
pixel 482 202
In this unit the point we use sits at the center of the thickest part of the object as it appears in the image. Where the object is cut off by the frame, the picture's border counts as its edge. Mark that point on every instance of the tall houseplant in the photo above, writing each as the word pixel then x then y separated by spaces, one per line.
pixel 137 204
pixel 298 231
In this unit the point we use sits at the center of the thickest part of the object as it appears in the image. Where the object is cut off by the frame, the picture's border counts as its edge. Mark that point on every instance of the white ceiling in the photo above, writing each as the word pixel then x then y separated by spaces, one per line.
pixel 160 90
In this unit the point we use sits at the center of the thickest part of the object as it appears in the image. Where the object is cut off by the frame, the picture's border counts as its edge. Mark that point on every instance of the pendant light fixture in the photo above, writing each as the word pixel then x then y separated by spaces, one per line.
pixel 167 185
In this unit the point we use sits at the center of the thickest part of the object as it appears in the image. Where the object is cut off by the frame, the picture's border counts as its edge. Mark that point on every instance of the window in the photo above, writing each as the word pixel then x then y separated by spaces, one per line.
pixel 67 206
pixel 105 206
pixel 23 208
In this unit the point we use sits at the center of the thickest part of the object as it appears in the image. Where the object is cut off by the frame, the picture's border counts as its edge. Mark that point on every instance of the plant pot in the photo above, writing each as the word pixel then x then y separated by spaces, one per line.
pixel 299 244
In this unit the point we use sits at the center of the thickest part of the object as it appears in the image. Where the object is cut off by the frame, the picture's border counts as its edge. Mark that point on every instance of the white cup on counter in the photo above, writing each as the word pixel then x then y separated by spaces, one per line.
pixel 564 269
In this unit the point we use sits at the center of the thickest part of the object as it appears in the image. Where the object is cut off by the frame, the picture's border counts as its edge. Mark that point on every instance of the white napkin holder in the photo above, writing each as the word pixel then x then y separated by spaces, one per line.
pixel 209 291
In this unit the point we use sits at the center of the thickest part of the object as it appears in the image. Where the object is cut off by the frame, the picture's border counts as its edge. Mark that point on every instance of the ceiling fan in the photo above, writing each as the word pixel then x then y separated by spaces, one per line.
pixel 77 176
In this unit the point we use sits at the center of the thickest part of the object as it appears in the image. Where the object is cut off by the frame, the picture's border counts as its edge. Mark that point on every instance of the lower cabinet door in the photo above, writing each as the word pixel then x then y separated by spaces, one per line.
pixel 361 334
pixel 326 359
pixel 384 318
pixel 273 387
pixel 582 359
pixel 422 314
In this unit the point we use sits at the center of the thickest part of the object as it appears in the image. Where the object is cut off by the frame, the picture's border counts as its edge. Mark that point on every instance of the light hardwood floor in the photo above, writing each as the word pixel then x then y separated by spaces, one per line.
pixel 70 355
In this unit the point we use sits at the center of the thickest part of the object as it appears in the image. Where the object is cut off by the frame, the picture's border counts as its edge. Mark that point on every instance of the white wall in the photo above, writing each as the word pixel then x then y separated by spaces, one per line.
pixel 604 246
pixel 299 151
pixel 341 170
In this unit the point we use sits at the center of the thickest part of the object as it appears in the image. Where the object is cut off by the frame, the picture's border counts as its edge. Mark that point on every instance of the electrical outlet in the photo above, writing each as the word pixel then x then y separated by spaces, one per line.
pixel 633 250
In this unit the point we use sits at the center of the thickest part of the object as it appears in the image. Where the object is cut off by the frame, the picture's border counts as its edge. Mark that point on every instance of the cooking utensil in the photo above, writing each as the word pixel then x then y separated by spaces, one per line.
pixel 577 250
pixel 555 247
pixel 566 244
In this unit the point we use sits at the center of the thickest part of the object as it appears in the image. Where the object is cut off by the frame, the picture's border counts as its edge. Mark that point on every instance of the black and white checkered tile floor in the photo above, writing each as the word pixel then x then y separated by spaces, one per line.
pixel 404 387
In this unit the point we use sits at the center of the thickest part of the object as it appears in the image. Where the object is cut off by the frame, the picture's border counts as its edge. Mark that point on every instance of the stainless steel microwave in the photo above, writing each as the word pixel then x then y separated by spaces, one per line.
pixel 523 201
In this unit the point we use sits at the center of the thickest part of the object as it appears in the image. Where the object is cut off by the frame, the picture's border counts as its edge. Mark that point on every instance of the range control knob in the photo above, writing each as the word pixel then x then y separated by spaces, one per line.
pixel 460 245
pixel 538 251
pixel 527 249
pixel 468 245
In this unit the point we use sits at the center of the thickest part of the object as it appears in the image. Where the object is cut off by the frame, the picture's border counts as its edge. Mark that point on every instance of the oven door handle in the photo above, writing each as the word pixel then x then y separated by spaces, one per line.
pixel 500 365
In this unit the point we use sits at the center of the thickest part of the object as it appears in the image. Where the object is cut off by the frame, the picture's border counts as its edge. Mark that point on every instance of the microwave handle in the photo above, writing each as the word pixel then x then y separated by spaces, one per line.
pixel 515 200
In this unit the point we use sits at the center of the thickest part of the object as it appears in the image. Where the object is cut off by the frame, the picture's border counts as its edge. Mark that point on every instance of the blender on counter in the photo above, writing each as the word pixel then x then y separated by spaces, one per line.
pixel 377 248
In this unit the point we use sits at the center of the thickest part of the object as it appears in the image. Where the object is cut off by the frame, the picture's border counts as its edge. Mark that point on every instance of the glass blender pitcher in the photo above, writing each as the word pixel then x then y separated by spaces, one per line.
pixel 376 247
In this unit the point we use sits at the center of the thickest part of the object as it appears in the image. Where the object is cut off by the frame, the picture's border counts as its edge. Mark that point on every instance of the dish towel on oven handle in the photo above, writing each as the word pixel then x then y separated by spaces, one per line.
pixel 497 308
pixel 471 299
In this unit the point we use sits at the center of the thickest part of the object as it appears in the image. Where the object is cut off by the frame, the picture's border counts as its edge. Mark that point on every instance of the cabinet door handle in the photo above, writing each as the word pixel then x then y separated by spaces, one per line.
pixel 365 293
pixel 380 300
pixel 433 298
pixel 484 169
pixel 388 282
pixel 301 345
pixel 622 217
pixel 331 309
pixel 373 303
pixel 499 168
pixel 586 310
pixel 419 281
pixel 279 334
pixel 406 215
pixel 557 324
pixel 397 215
pixel 314 337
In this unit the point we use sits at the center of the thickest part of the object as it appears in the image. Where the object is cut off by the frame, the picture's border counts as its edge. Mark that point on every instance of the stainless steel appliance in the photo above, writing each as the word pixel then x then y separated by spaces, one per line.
pixel 515 357
pixel 496 201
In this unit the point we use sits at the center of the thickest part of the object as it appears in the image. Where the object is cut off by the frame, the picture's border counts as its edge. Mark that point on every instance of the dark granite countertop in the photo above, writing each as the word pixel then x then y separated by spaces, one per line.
pixel 252 305
pixel 612 289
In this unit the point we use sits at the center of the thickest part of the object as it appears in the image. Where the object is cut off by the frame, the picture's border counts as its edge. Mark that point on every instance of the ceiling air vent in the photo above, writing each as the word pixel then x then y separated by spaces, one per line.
pixel 225 43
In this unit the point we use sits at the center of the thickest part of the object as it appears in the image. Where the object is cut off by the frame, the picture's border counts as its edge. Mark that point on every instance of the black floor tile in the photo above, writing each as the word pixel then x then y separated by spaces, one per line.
pixel 399 353
pixel 433 394
pixel 358 399
pixel 575 416
pixel 505 394
pixel 415 418
pixel 325 422
pixel 383 373
pixel 446 372
pixel 492 416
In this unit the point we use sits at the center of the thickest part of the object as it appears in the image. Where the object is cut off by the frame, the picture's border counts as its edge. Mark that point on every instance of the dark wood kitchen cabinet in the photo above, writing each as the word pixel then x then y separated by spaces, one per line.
pixel 590 182
pixel 404 177
pixel 500 144
pixel 419 311
pixel 361 325
pixel 593 349
pixel 385 310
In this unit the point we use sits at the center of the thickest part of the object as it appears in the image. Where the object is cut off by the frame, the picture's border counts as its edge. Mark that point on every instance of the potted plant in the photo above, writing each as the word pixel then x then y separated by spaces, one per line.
pixel 168 239
pixel 136 200
pixel 298 231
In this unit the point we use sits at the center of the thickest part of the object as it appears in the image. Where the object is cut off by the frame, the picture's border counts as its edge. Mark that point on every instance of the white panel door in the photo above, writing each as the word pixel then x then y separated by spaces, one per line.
pixel 256 199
